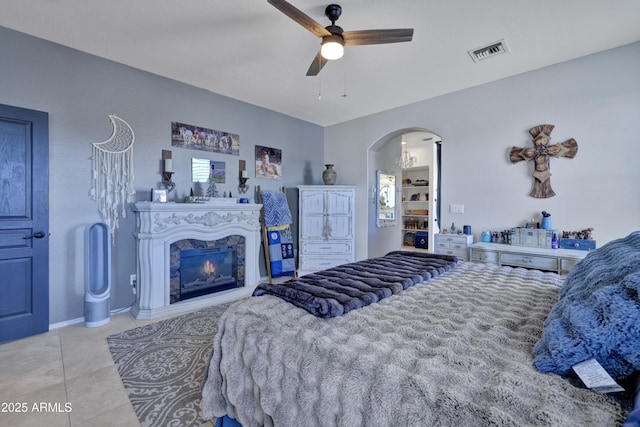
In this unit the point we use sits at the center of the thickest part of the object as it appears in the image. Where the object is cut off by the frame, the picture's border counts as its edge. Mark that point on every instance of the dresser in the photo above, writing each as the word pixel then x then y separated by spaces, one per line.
pixel 560 261
pixel 326 226
pixel 453 244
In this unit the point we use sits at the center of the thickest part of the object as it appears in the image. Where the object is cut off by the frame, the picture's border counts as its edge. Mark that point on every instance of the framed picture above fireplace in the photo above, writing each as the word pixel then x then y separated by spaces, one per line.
pixel 200 138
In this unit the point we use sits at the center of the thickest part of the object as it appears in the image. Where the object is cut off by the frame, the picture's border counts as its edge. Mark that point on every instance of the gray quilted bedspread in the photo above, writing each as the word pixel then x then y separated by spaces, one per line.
pixel 456 351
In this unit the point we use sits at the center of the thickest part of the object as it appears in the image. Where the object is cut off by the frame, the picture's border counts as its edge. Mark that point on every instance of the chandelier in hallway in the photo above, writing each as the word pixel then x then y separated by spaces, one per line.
pixel 406 160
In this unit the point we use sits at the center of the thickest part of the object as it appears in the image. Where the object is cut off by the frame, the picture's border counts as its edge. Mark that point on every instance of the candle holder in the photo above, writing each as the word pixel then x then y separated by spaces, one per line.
pixel 243 187
pixel 167 182
pixel 167 172
pixel 243 178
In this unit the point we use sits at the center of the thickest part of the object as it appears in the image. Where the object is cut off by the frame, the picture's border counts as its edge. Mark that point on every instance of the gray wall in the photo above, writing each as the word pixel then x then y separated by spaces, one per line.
pixel 594 99
pixel 79 91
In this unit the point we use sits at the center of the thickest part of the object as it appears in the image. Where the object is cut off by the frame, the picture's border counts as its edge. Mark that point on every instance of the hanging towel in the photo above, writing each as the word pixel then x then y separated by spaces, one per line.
pixel 276 209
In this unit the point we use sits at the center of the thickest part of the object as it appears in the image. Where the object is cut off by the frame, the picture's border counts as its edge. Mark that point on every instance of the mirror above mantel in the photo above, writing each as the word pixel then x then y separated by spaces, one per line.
pixel 201 170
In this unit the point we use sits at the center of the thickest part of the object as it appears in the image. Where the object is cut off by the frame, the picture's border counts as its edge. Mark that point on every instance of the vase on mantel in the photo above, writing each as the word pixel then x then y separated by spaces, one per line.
pixel 329 175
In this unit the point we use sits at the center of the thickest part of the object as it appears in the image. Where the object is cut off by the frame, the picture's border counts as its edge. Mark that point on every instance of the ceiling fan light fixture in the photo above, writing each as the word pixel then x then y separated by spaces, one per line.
pixel 334 38
pixel 332 47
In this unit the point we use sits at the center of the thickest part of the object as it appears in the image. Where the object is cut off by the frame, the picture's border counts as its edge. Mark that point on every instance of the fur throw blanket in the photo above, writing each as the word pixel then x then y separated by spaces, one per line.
pixel 338 290
pixel 598 314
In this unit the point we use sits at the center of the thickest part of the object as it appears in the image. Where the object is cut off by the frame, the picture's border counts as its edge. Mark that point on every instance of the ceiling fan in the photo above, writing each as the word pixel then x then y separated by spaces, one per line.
pixel 335 38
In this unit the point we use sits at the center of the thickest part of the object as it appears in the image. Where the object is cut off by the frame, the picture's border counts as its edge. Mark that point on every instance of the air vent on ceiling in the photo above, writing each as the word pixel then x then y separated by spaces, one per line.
pixel 488 51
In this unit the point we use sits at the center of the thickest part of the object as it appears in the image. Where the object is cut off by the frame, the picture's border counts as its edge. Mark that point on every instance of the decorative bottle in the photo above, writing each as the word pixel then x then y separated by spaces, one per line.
pixel 546 220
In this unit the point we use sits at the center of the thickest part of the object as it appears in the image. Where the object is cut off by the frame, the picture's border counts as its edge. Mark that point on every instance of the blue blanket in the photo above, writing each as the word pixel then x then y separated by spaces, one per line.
pixel 598 314
pixel 276 209
pixel 338 290
pixel 281 253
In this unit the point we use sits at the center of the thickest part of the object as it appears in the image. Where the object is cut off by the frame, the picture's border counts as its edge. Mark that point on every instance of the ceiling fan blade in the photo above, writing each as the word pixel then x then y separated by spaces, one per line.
pixel 363 37
pixel 300 17
pixel 316 65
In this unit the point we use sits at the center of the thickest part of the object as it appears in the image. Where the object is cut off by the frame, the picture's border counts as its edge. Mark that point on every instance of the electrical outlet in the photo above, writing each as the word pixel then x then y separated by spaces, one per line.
pixel 133 282
pixel 456 209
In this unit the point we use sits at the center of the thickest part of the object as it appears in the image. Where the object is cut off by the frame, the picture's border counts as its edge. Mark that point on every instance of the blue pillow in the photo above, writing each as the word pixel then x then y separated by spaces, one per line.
pixel 598 313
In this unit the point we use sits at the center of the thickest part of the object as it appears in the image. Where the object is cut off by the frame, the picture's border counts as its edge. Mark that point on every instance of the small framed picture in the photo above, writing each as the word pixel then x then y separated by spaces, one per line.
pixel 159 196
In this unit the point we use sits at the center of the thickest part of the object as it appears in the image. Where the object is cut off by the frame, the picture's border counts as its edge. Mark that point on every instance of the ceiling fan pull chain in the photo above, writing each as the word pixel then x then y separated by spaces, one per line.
pixel 344 77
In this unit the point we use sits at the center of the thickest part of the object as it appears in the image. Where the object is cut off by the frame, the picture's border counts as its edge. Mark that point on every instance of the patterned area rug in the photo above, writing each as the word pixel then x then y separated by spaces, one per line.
pixel 162 364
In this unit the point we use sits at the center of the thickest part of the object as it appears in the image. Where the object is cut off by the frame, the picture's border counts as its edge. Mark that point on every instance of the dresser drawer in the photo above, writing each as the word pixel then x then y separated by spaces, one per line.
pixel 326 248
pixel 529 261
pixel 322 263
pixel 450 245
pixel 484 256
pixel 452 238
pixel 460 253
pixel 566 264
pixel 441 244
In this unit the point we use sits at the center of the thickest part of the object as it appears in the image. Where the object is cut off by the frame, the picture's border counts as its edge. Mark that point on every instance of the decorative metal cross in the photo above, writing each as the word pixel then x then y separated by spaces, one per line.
pixel 540 154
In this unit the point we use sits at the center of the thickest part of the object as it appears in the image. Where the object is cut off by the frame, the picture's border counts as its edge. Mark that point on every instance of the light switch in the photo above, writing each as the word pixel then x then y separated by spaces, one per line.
pixel 456 209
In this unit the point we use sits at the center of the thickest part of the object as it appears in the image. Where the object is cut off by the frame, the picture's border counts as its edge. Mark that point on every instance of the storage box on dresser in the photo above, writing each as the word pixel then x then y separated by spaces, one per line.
pixel 453 244
pixel 327 226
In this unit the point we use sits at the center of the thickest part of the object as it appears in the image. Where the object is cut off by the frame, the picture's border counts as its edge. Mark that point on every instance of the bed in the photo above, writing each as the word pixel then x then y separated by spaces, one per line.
pixel 462 347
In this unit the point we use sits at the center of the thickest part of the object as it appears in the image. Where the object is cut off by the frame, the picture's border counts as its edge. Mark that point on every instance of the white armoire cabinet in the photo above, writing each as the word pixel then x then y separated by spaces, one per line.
pixel 326 226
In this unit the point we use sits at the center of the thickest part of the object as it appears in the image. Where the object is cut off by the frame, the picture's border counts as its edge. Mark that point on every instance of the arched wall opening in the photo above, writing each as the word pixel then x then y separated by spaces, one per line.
pixel 408 152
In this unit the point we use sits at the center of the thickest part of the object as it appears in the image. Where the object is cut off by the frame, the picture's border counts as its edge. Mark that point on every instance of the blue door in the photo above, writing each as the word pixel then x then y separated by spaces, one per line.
pixel 24 222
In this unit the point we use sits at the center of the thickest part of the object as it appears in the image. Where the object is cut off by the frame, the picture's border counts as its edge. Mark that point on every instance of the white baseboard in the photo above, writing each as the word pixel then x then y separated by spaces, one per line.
pixel 66 323
pixel 81 319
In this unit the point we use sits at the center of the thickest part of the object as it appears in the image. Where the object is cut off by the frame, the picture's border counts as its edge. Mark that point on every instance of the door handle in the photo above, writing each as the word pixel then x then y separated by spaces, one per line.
pixel 36 235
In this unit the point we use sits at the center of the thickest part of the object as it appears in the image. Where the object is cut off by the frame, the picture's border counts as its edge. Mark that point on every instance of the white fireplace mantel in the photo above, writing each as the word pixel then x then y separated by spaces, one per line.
pixel 158 225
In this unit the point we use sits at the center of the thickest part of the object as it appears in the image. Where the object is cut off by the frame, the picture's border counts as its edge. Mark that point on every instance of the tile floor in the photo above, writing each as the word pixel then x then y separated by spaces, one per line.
pixel 70 377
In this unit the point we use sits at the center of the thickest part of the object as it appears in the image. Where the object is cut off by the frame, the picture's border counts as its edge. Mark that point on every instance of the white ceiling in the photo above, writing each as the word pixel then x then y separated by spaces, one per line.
pixel 248 50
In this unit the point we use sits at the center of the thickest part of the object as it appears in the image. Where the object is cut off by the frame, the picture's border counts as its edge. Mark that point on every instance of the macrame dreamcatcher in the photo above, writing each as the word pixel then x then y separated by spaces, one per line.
pixel 112 174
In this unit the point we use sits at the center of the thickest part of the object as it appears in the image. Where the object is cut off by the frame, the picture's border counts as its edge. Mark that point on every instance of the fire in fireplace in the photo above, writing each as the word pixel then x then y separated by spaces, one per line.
pixel 207 270
pixel 200 267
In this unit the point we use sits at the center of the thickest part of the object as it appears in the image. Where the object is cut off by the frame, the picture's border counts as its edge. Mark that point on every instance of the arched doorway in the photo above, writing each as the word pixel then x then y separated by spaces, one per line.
pixel 413 156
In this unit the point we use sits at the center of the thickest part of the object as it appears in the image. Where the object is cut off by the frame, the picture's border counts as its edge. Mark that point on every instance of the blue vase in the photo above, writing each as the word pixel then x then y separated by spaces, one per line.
pixel 546 223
